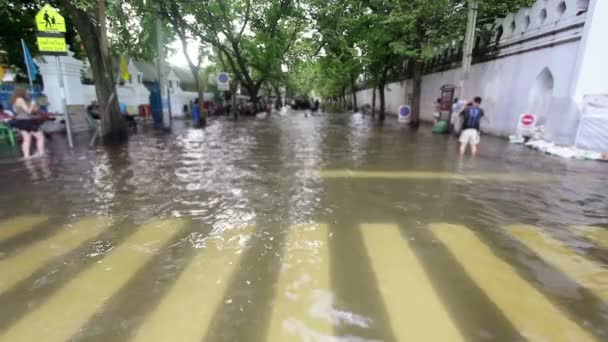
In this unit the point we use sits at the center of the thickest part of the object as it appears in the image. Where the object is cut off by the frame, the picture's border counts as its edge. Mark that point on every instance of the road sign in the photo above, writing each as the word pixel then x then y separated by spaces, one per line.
pixel 527 120
pixel 49 20
pixel 223 81
pixel 51 41
pixel 404 113
pixel 52 44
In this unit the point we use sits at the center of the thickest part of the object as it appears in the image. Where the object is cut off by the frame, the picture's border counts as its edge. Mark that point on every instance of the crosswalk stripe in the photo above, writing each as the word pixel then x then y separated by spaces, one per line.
pixel 21 224
pixel 597 234
pixel 431 175
pixel 415 310
pixel 75 303
pixel 529 310
pixel 589 274
pixel 186 311
pixel 303 302
pixel 23 264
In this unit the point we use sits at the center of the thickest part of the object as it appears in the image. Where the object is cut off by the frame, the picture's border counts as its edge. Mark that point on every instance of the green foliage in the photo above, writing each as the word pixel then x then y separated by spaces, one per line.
pixel 378 38
pixel 18 23
pixel 325 46
pixel 132 29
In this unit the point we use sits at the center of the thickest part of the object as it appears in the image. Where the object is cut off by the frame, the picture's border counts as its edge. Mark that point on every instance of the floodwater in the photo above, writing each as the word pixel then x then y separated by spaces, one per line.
pixel 293 228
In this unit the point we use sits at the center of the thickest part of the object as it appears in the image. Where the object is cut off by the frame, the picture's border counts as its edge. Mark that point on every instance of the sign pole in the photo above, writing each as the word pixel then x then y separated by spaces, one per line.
pixel 51 41
pixel 64 104
pixel 27 65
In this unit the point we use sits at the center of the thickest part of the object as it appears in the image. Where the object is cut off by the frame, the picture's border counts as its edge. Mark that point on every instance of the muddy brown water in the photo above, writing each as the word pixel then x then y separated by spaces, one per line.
pixel 293 228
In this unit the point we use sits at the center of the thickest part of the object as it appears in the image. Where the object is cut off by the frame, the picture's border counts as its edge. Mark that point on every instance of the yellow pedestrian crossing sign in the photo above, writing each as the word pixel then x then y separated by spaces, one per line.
pixel 52 44
pixel 49 20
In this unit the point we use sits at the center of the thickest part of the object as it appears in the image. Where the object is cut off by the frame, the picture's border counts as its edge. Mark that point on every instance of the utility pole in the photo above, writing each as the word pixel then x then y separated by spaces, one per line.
pixel 469 43
pixel 160 59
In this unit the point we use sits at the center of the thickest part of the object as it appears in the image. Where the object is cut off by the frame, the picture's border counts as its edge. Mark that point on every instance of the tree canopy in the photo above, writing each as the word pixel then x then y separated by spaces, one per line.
pixel 328 48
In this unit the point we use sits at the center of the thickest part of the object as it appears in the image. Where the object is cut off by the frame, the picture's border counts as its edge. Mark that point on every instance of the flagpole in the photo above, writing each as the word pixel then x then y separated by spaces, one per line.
pixel 27 65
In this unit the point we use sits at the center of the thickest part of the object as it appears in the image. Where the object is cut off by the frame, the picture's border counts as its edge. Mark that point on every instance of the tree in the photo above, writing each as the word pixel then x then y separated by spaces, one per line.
pixel 250 36
pixel 89 19
pixel 338 23
pixel 427 23
pixel 172 11
pixel 393 39
pixel 18 21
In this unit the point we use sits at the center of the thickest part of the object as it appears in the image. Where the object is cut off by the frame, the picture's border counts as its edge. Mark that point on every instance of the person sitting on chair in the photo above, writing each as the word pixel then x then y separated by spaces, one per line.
pixel 26 122
pixel 125 114
pixel 4 115
pixel 93 110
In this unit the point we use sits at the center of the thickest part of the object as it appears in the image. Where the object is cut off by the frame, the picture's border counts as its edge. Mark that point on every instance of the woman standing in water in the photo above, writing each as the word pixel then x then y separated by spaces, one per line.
pixel 27 124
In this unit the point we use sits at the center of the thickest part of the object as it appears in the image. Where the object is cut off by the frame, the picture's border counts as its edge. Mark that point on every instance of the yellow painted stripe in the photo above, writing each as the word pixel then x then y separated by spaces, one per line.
pixel 529 311
pixel 303 303
pixel 74 304
pixel 431 175
pixel 415 310
pixel 18 225
pixel 22 265
pixel 590 274
pixel 186 311
pixel 597 234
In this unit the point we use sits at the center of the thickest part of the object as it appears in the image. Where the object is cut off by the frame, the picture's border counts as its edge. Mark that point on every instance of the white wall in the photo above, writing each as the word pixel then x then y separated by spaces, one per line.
pixel 507 83
pixel 70 69
pixel 506 86
pixel 179 99
pixel 591 70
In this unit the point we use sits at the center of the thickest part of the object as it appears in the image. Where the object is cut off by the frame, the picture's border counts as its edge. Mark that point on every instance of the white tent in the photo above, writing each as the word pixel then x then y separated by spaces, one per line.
pixel 592 131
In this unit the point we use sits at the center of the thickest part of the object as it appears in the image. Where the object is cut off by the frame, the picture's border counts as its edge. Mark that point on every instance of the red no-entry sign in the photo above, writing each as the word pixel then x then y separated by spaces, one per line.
pixel 528 119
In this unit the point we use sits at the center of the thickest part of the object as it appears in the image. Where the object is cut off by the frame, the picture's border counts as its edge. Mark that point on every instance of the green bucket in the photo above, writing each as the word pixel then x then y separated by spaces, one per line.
pixel 442 127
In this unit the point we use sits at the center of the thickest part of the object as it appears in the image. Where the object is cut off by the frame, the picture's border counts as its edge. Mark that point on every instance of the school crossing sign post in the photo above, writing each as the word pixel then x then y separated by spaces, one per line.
pixel 51 29
pixel 51 42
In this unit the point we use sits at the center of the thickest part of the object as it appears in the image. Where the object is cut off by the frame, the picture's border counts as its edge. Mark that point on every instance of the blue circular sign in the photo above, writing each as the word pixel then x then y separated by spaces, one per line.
pixel 404 111
pixel 223 77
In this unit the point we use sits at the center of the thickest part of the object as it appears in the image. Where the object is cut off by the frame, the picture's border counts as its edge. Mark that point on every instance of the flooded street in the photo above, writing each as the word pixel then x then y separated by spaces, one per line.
pixel 293 228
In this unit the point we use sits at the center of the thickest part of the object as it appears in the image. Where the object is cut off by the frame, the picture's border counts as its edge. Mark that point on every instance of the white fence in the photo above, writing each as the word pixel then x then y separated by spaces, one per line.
pixel 537 69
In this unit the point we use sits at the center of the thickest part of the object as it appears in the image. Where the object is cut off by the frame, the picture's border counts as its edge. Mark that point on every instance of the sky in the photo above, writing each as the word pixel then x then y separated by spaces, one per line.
pixel 179 58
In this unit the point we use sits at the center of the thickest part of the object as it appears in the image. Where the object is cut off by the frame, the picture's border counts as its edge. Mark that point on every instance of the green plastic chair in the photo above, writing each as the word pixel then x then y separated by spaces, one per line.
pixel 7 132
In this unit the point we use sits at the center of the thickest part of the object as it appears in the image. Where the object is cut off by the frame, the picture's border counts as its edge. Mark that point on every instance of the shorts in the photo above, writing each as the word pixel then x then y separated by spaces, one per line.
pixel 470 136
pixel 28 125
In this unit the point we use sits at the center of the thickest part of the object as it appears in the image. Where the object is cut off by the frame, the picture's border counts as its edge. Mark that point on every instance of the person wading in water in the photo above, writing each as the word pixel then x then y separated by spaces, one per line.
pixel 470 127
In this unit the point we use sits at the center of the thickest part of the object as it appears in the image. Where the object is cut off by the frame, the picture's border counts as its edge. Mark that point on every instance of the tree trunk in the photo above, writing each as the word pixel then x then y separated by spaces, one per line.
pixel 416 91
pixel 381 88
pixel 382 113
pixel 374 102
pixel 353 90
pixel 95 43
pixel 253 95
pixel 279 101
pixel 235 112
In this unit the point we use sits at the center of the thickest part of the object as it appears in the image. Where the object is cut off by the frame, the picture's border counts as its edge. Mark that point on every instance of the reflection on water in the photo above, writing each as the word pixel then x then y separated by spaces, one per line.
pixel 293 228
